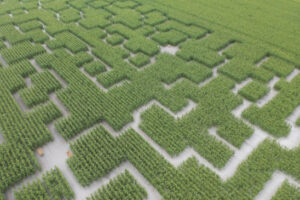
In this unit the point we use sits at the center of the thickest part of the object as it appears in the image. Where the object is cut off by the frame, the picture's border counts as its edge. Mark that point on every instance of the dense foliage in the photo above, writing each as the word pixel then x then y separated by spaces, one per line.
pixel 101 156
pixel 124 186
pixel 254 91
pixel 278 66
pixel 94 68
pixel 298 122
pixel 44 83
pixel 16 163
pixel 271 117
pixel 119 44
pixel 52 186
pixel 21 51
pixel 287 191
pixel 115 39
pixel 2 196
pixel 140 60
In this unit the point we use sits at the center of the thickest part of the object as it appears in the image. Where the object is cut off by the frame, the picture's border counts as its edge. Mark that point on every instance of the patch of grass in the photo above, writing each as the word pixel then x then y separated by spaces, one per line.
pixel 172 37
pixel 118 188
pixel 115 39
pixel 83 163
pixel 38 36
pixel 192 31
pixel 141 44
pixel 94 68
pixel 154 18
pixel 140 60
pixel 69 15
pixel 254 91
pixel 281 84
pixel 21 51
pixel 287 191
pixel 193 50
pixel 52 185
pixel 28 26
pixel 298 122
pixel 280 67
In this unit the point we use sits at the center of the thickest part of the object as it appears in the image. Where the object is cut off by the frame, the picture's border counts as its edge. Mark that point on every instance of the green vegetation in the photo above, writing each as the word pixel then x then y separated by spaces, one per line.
pixel 258 168
pixel 56 5
pixel 127 17
pixel 242 19
pixel 298 122
pixel 254 91
pixel 28 26
pixel 287 191
pixel 64 37
pixel 17 12
pixel 98 4
pixel 68 41
pixel 52 186
pixel 23 133
pixel 21 51
pixel 35 190
pixel 94 18
pixel 237 69
pixel 124 186
pixel 271 117
pixel 45 112
pixel 209 112
pixel 154 18
pixel 281 84
pixel 38 36
pixel 278 66
pixel 193 50
pixel 94 68
pixel 192 31
pixel 143 45
pixel 125 4
pixel 12 35
pixel 172 37
pixel 192 180
pixel 262 74
pixel 2 45
pixel 84 165
pixel 69 15
pixel 16 164
pixel 140 60
pixel 115 39
pixel 43 84
pixel 2 196
pixel 27 132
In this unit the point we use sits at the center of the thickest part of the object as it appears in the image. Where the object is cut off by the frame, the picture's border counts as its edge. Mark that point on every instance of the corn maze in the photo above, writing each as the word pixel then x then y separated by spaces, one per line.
pixel 139 99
